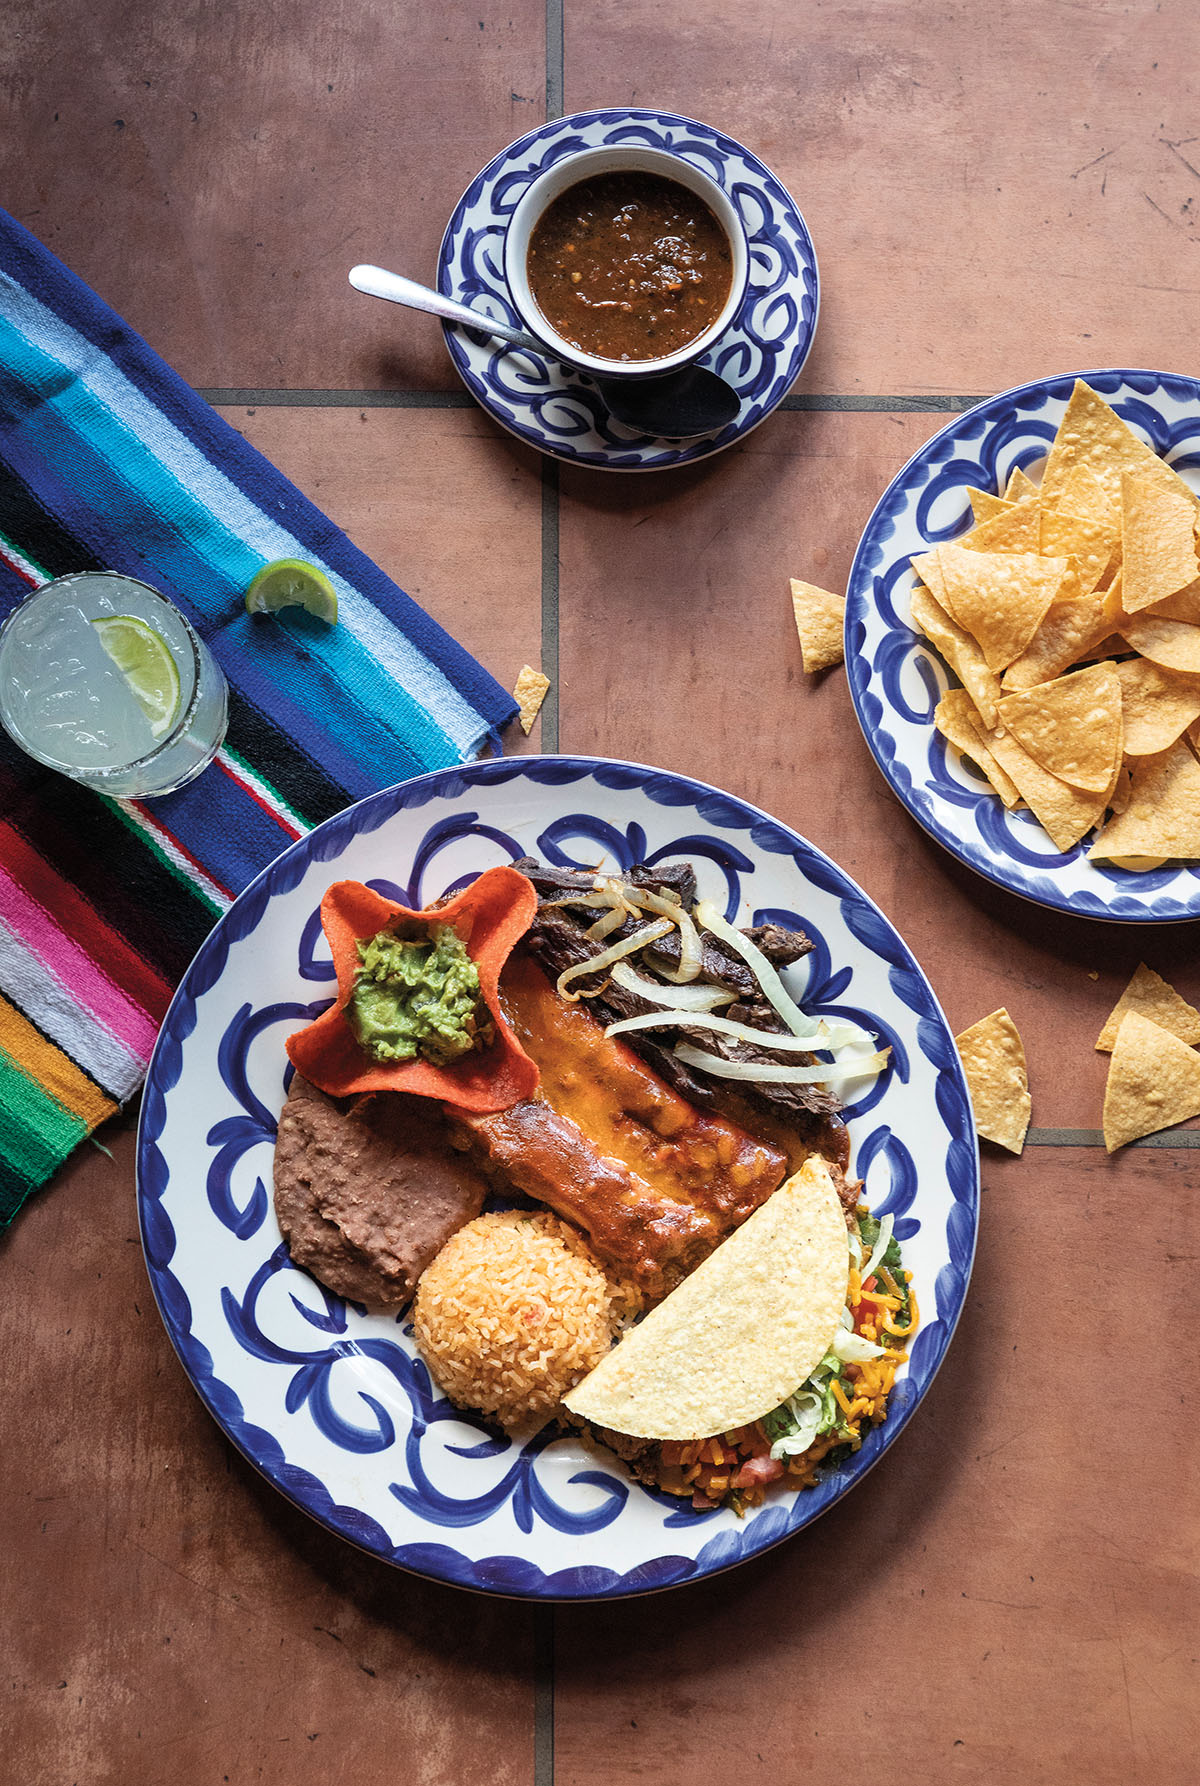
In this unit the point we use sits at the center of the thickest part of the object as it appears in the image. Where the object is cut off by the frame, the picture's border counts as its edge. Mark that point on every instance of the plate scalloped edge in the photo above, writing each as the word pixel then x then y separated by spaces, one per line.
pixel 506 1574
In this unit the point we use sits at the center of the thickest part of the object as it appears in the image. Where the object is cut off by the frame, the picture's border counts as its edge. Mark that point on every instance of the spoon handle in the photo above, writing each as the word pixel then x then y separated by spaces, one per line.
pixel 378 283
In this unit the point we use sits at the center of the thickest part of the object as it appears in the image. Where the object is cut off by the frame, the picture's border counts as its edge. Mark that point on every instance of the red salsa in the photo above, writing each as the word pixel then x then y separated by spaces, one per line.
pixel 629 266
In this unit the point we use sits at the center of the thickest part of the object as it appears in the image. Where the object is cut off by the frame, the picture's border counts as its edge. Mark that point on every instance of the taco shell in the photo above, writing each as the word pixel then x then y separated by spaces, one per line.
pixel 741 1333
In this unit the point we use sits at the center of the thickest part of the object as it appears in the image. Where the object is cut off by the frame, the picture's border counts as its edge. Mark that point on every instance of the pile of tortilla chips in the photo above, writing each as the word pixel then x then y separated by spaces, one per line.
pixel 1070 613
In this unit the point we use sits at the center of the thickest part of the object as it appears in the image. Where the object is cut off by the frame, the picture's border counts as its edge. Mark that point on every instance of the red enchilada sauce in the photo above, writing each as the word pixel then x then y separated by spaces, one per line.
pixel 629 266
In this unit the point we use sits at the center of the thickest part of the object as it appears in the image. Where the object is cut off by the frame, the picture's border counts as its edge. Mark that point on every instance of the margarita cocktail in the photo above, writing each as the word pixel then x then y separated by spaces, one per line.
pixel 103 679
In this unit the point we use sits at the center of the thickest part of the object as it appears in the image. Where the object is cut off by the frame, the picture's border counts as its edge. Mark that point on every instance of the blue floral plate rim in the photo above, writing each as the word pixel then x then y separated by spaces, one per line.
pixel 1013 427
pixel 519 1575
pixel 584 435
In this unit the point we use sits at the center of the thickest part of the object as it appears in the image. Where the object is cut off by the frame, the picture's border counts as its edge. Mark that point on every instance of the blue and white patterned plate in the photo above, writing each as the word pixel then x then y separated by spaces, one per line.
pixel 897 679
pixel 558 410
pixel 333 1405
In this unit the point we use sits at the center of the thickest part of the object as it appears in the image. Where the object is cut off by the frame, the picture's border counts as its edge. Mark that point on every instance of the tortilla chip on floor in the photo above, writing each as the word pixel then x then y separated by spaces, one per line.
pixel 530 691
pixel 1150 995
pixel 1153 1082
pixel 993 1059
pixel 740 1333
pixel 820 619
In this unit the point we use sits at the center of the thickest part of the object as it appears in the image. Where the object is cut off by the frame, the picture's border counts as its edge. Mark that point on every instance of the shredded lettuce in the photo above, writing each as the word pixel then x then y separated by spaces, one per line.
pixel 810 1413
pixel 852 1348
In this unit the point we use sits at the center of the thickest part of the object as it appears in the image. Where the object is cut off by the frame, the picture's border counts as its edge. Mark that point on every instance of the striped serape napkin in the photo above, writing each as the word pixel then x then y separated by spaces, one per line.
pixel 109 461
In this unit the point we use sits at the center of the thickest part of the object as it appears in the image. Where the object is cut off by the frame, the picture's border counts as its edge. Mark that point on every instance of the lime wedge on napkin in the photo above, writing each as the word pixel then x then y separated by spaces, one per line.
pixel 147 666
pixel 291 583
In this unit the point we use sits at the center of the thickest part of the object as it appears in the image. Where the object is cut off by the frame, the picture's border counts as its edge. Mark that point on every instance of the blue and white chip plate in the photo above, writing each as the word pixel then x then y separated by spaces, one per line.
pixel 896 678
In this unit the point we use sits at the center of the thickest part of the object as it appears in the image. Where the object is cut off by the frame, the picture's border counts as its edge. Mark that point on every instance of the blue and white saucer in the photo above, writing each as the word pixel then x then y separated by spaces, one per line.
pixel 559 411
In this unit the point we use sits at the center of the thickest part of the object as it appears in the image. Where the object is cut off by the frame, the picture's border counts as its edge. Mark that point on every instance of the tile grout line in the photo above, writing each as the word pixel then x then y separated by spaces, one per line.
pixel 1184 1139
pixel 556 59
pixel 264 397
pixel 543 1696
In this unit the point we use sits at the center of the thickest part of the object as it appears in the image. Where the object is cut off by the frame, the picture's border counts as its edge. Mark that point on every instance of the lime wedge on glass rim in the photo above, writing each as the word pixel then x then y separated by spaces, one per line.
pixel 291 583
pixel 147 666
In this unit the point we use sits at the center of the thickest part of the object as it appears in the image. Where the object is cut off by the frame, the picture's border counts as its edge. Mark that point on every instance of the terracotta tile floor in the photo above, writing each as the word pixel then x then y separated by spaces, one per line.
pixel 994 195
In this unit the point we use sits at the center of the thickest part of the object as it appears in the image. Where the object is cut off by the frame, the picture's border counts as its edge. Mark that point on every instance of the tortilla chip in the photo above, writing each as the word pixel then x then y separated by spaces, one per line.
pixel 1158 706
pixel 994 1062
pixel 1150 995
pixel 1111 646
pixel 740 1333
pixel 1083 494
pixel 1153 1081
pixel 820 618
pixel 1015 529
pixel 529 694
pixel 1158 543
pixel 929 571
pixel 1183 606
pixel 491 916
pixel 1163 815
pixel 959 650
pixel 1064 813
pixel 1000 598
pixel 1070 628
pixel 957 718
pixel 1019 485
pixel 1090 543
pixel 1093 435
pixel 1121 790
pixel 1172 643
pixel 1071 726
pixel 984 505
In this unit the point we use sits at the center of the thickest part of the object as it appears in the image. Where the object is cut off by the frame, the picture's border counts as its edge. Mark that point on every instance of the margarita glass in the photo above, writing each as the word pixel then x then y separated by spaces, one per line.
pixel 104 680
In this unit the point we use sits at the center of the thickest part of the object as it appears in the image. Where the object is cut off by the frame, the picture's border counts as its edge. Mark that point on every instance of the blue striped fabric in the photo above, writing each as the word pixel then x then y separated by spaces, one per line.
pixel 108 460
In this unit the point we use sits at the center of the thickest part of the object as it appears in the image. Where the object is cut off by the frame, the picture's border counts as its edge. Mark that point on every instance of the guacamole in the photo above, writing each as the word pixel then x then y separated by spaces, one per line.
pixel 418 996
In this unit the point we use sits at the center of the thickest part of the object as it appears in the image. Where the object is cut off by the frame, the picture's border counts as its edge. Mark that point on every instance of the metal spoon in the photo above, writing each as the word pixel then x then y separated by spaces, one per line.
pixel 675 406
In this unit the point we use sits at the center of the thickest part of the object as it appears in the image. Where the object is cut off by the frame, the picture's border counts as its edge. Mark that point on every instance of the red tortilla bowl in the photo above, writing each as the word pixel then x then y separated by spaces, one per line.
pixel 491 916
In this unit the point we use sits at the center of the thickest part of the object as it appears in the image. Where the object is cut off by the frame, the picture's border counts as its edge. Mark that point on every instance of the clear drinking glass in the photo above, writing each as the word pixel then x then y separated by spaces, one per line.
pixel 67 700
